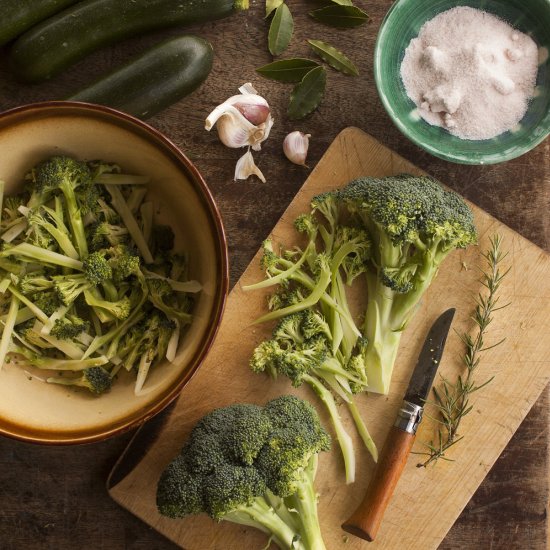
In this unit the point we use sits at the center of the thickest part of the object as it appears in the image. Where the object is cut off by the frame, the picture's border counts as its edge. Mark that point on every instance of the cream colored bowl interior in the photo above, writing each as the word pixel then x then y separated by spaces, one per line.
pixel 32 409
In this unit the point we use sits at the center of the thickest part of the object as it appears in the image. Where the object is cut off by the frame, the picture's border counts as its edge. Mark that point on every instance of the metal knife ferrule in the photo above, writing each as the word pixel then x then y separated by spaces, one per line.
pixel 409 417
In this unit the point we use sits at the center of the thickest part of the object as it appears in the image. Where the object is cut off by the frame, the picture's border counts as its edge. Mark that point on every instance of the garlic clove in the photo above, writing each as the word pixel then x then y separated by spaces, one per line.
pixel 295 147
pixel 255 113
pixel 235 131
pixel 246 167
pixel 243 100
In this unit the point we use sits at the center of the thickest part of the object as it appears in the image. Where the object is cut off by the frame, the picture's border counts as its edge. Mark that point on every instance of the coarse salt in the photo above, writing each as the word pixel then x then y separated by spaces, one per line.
pixel 471 73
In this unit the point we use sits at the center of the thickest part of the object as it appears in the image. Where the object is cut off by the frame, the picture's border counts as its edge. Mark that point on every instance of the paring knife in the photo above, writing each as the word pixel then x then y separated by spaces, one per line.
pixel 365 521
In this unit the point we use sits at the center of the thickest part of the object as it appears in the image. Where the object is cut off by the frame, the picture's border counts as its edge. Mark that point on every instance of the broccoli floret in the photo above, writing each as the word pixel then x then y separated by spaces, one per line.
pixel 123 261
pixel 97 268
pixel 162 237
pixel 149 338
pixel 66 174
pixel 164 298
pixel 240 459
pixel 48 220
pixel 69 287
pixel 49 301
pixel 35 282
pixel 104 234
pixel 69 327
pixel 412 223
pixel 95 379
pixel 119 309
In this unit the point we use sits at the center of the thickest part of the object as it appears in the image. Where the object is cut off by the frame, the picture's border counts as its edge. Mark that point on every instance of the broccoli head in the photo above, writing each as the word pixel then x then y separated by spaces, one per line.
pixel 412 223
pixel 239 458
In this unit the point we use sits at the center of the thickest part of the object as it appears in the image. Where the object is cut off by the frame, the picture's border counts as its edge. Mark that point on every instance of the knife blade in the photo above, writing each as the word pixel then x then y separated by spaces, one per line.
pixel 365 521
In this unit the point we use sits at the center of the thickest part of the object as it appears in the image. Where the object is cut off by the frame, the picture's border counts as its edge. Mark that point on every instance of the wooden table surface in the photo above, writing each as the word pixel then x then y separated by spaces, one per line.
pixel 54 498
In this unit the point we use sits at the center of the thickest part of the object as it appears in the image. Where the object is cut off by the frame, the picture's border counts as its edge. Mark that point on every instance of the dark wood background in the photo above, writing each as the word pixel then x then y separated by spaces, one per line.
pixel 55 498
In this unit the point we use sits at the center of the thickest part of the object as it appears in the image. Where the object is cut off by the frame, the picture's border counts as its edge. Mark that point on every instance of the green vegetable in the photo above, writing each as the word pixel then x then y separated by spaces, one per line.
pixel 74 291
pixel 394 232
pixel 342 16
pixel 20 15
pixel 316 341
pixel 287 70
pixel 306 96
pixel 95 379
pixel 413 224
pixel 52 46
pixel 335 58
pixel 151 82
pixel 254 466
pixel 280 30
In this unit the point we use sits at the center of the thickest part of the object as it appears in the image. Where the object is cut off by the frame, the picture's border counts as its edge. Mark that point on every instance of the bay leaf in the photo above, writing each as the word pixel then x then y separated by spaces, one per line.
pixel 287 70
pixel 306 96
pixel 272 5
pixel 334 57
pixel 280 30
pixel 343 17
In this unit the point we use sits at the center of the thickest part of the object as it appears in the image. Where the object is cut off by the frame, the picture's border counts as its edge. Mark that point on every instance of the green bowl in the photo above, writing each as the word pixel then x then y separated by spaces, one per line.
pixel 403 22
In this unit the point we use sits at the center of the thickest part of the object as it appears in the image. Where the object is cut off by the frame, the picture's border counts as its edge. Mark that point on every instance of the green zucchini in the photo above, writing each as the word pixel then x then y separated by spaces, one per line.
pixel 62 40
pixel 19 15
pixel 154 80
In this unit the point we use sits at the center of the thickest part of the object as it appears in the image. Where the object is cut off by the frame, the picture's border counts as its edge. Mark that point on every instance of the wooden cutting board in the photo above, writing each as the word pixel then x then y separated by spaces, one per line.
pixel 427 501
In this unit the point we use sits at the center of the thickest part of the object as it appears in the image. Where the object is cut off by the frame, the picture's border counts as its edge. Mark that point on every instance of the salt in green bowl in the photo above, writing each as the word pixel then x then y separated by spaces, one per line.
pixel 403 22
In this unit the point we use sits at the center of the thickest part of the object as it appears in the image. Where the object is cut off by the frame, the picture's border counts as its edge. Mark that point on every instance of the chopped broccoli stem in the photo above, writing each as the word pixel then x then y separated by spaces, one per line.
pixel 344 439
pixel 362 429
pixel 29 253
pixel 51 363
pixel 7 330
pixel 130 222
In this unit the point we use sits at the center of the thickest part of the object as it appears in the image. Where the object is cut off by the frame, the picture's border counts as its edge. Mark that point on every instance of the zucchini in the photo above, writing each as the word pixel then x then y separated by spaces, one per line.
pixel 151 82
pixel 20 15
pixel 64 39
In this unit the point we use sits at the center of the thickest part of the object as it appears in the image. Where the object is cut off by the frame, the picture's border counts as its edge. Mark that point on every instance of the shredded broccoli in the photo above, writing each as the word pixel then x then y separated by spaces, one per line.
pixel 74 294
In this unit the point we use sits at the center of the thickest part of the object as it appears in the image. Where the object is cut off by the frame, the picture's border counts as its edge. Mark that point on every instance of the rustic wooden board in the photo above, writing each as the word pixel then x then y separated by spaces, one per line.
pixel 427 501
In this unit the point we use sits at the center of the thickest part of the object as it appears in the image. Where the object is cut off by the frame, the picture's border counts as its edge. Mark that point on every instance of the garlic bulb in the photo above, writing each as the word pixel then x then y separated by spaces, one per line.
pixel 246 167
pixel 242 120
pixel 295 147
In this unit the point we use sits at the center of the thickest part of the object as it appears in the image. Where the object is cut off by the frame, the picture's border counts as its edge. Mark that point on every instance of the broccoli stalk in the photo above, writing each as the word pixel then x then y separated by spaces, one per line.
pixel 119 204
pixel 30 253
pixel 7 329
pixel 254 466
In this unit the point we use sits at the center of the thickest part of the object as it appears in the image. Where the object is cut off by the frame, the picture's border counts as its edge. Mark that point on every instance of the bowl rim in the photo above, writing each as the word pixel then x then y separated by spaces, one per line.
pixel 450 157
pixel 176 154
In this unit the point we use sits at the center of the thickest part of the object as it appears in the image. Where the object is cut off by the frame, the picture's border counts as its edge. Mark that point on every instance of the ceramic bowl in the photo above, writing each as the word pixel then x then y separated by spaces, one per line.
pixel 403 22
pixel 34 411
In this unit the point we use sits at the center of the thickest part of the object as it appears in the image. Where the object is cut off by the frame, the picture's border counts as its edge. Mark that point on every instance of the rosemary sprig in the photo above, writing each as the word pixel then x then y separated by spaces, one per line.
pixel 452 399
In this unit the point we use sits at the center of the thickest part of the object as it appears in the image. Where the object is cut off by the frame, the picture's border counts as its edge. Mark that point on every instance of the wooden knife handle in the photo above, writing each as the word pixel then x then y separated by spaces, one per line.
pixel 365 521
